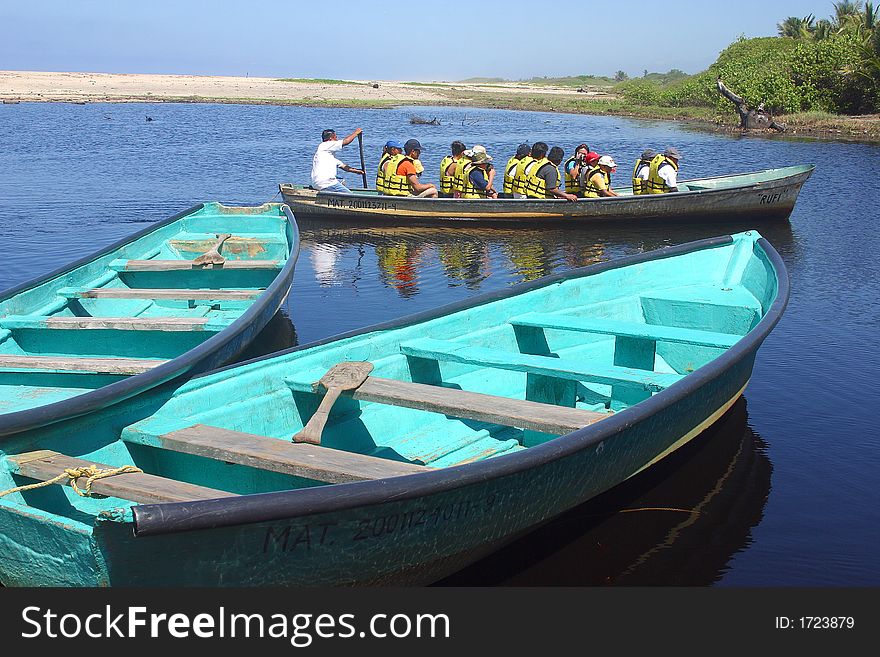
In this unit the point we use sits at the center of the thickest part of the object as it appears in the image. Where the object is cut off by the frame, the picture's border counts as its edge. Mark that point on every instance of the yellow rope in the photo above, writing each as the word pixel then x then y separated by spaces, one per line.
pixel 93 473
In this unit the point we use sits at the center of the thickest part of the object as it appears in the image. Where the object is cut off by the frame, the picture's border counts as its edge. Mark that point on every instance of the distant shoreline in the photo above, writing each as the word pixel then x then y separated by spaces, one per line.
pixel 81 88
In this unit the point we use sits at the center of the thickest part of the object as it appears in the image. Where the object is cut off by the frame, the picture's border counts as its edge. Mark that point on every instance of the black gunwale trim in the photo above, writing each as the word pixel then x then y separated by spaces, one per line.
pixel 157 519
pixel 13 423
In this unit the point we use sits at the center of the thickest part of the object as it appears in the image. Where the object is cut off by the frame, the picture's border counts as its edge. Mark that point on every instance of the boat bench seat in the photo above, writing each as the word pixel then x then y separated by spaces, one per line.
pixel 114 323
pixel 137 487
pixel 156 293
pixel 537 416
pixel 275 454
pixel 125 366
pixel 561 368
pixel 188 265
pixel 636 330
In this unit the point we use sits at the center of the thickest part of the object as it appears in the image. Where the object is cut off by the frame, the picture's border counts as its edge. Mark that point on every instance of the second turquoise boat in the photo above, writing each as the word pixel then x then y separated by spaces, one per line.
pixel 178 298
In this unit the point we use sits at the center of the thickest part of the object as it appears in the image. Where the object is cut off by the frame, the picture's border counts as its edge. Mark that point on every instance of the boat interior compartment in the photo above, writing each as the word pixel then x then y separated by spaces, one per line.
pixel 140 305
pixel 482 382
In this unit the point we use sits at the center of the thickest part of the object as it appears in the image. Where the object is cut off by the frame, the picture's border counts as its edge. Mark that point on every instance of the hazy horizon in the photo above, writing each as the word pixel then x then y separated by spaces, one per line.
pixel 275 39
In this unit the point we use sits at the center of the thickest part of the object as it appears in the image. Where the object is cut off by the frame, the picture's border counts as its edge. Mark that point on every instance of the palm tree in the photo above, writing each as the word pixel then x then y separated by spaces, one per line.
pixel 846 12
pixel 824 29
pixel 869 17
pixel 796 28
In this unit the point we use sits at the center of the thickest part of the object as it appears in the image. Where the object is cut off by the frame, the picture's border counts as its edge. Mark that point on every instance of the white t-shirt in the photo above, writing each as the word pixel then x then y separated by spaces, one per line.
pixel 669 175
pixel 643 171
pixel 324 164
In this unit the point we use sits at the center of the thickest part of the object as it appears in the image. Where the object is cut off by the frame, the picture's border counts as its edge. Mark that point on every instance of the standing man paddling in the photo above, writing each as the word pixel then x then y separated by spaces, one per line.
pixel 325 163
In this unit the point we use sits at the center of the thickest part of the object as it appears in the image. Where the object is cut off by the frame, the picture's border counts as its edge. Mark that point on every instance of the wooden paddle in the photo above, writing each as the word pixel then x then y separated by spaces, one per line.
pixel 212 256
pixel 342 376
pixel 363 166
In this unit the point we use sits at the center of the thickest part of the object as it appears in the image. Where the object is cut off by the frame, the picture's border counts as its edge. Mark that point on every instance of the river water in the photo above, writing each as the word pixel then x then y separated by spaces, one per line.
pixel 783 492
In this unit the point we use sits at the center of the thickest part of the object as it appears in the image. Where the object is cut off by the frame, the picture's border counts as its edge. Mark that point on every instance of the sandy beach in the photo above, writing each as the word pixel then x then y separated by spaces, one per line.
pixel 29 86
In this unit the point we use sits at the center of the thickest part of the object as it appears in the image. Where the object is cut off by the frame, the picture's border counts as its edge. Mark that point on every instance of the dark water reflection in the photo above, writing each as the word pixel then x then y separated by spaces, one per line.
pixel 677 524
pixel 75 178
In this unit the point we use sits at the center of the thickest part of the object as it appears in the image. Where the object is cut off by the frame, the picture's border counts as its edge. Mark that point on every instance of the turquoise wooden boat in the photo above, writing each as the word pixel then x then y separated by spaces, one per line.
pixel 766 194
pixel 478 422
pixel 142 311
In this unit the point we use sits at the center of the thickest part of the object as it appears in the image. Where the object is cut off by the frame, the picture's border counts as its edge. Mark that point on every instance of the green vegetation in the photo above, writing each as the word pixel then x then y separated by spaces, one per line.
pixel 544 81
pixel 831 66
pixel 319 81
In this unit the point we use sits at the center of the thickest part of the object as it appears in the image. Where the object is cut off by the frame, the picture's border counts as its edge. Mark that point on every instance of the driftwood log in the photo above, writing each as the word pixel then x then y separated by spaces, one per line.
pixel 750 118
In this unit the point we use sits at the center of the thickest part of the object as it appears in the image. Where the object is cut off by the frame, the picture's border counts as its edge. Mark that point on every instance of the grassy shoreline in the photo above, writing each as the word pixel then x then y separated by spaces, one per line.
pixel 812 125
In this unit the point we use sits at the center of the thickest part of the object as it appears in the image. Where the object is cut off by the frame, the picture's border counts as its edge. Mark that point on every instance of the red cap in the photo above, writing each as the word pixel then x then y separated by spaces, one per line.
pixel 592 157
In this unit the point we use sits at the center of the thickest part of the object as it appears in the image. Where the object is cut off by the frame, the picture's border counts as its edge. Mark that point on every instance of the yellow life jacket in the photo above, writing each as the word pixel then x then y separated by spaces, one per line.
pixel 640 186
pixel 396 184
pixel 537 187
pixel 460 181
pixel 420 168
pixel 592 191
pixel 380 174
pixel 509 173
pixel 521 178
pixel 656 184
pixel 572 184
pixel 471 191
pixel 446 181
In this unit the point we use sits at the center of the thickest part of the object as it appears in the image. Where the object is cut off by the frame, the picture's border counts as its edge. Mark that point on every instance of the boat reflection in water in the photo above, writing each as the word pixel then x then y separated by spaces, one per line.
pixel 676 524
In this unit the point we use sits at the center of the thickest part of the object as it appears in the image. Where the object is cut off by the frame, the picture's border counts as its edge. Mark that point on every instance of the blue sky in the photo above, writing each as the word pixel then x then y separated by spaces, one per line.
pixel 360 40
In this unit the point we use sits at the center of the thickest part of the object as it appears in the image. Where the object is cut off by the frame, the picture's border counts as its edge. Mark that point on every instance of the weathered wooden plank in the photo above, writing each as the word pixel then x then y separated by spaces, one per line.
pixel 562 368
pixel 627 329
pixel 73 364
pixel 299 459
pixel 175 265
pixel 136 487
pixel 114 323
pixel 169 293
pixel 546 418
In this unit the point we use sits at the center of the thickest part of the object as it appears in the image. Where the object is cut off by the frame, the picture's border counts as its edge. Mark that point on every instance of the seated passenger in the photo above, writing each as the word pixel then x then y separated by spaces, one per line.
pixel 404 181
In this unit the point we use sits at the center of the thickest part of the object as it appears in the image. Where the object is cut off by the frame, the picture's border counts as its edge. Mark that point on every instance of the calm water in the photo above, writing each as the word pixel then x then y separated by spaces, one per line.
pixel 783 492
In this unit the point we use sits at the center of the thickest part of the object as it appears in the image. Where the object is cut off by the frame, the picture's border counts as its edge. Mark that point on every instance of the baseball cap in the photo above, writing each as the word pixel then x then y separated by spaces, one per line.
pixel 648 154
pixel 607 161
pixel 412 145
pixel 592 157
pixel 523 149
pixel 393 144
pixel 672 151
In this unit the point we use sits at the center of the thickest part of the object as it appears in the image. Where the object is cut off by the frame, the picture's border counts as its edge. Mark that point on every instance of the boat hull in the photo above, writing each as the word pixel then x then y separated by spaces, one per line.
pixel 752 196
pixel 412 529
pixel 419 540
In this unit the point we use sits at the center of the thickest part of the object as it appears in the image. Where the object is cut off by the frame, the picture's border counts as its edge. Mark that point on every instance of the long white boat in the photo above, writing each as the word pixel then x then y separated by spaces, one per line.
pixel 766 194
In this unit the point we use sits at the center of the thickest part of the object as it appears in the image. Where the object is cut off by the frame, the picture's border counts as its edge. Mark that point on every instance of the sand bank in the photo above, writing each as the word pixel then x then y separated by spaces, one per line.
pixel 112 87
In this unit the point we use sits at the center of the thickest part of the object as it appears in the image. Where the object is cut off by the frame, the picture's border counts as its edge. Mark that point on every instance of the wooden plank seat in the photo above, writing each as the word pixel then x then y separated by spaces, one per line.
pixel 637 330
pixel 275 454
pixel 126 366
pixel 114 323
pixel 570 369
pixel 546 418
pixel 175 265
pixel 155 293
pixel 138 487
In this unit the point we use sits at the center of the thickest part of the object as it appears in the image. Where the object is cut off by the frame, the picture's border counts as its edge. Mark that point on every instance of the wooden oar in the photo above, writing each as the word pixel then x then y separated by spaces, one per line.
pixel 212 256
pixel 342 376
pixel 363 166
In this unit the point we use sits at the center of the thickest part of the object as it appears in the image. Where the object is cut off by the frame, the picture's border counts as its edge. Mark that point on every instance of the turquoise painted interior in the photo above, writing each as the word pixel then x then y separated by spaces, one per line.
pixel 722 291
pixel 26 317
